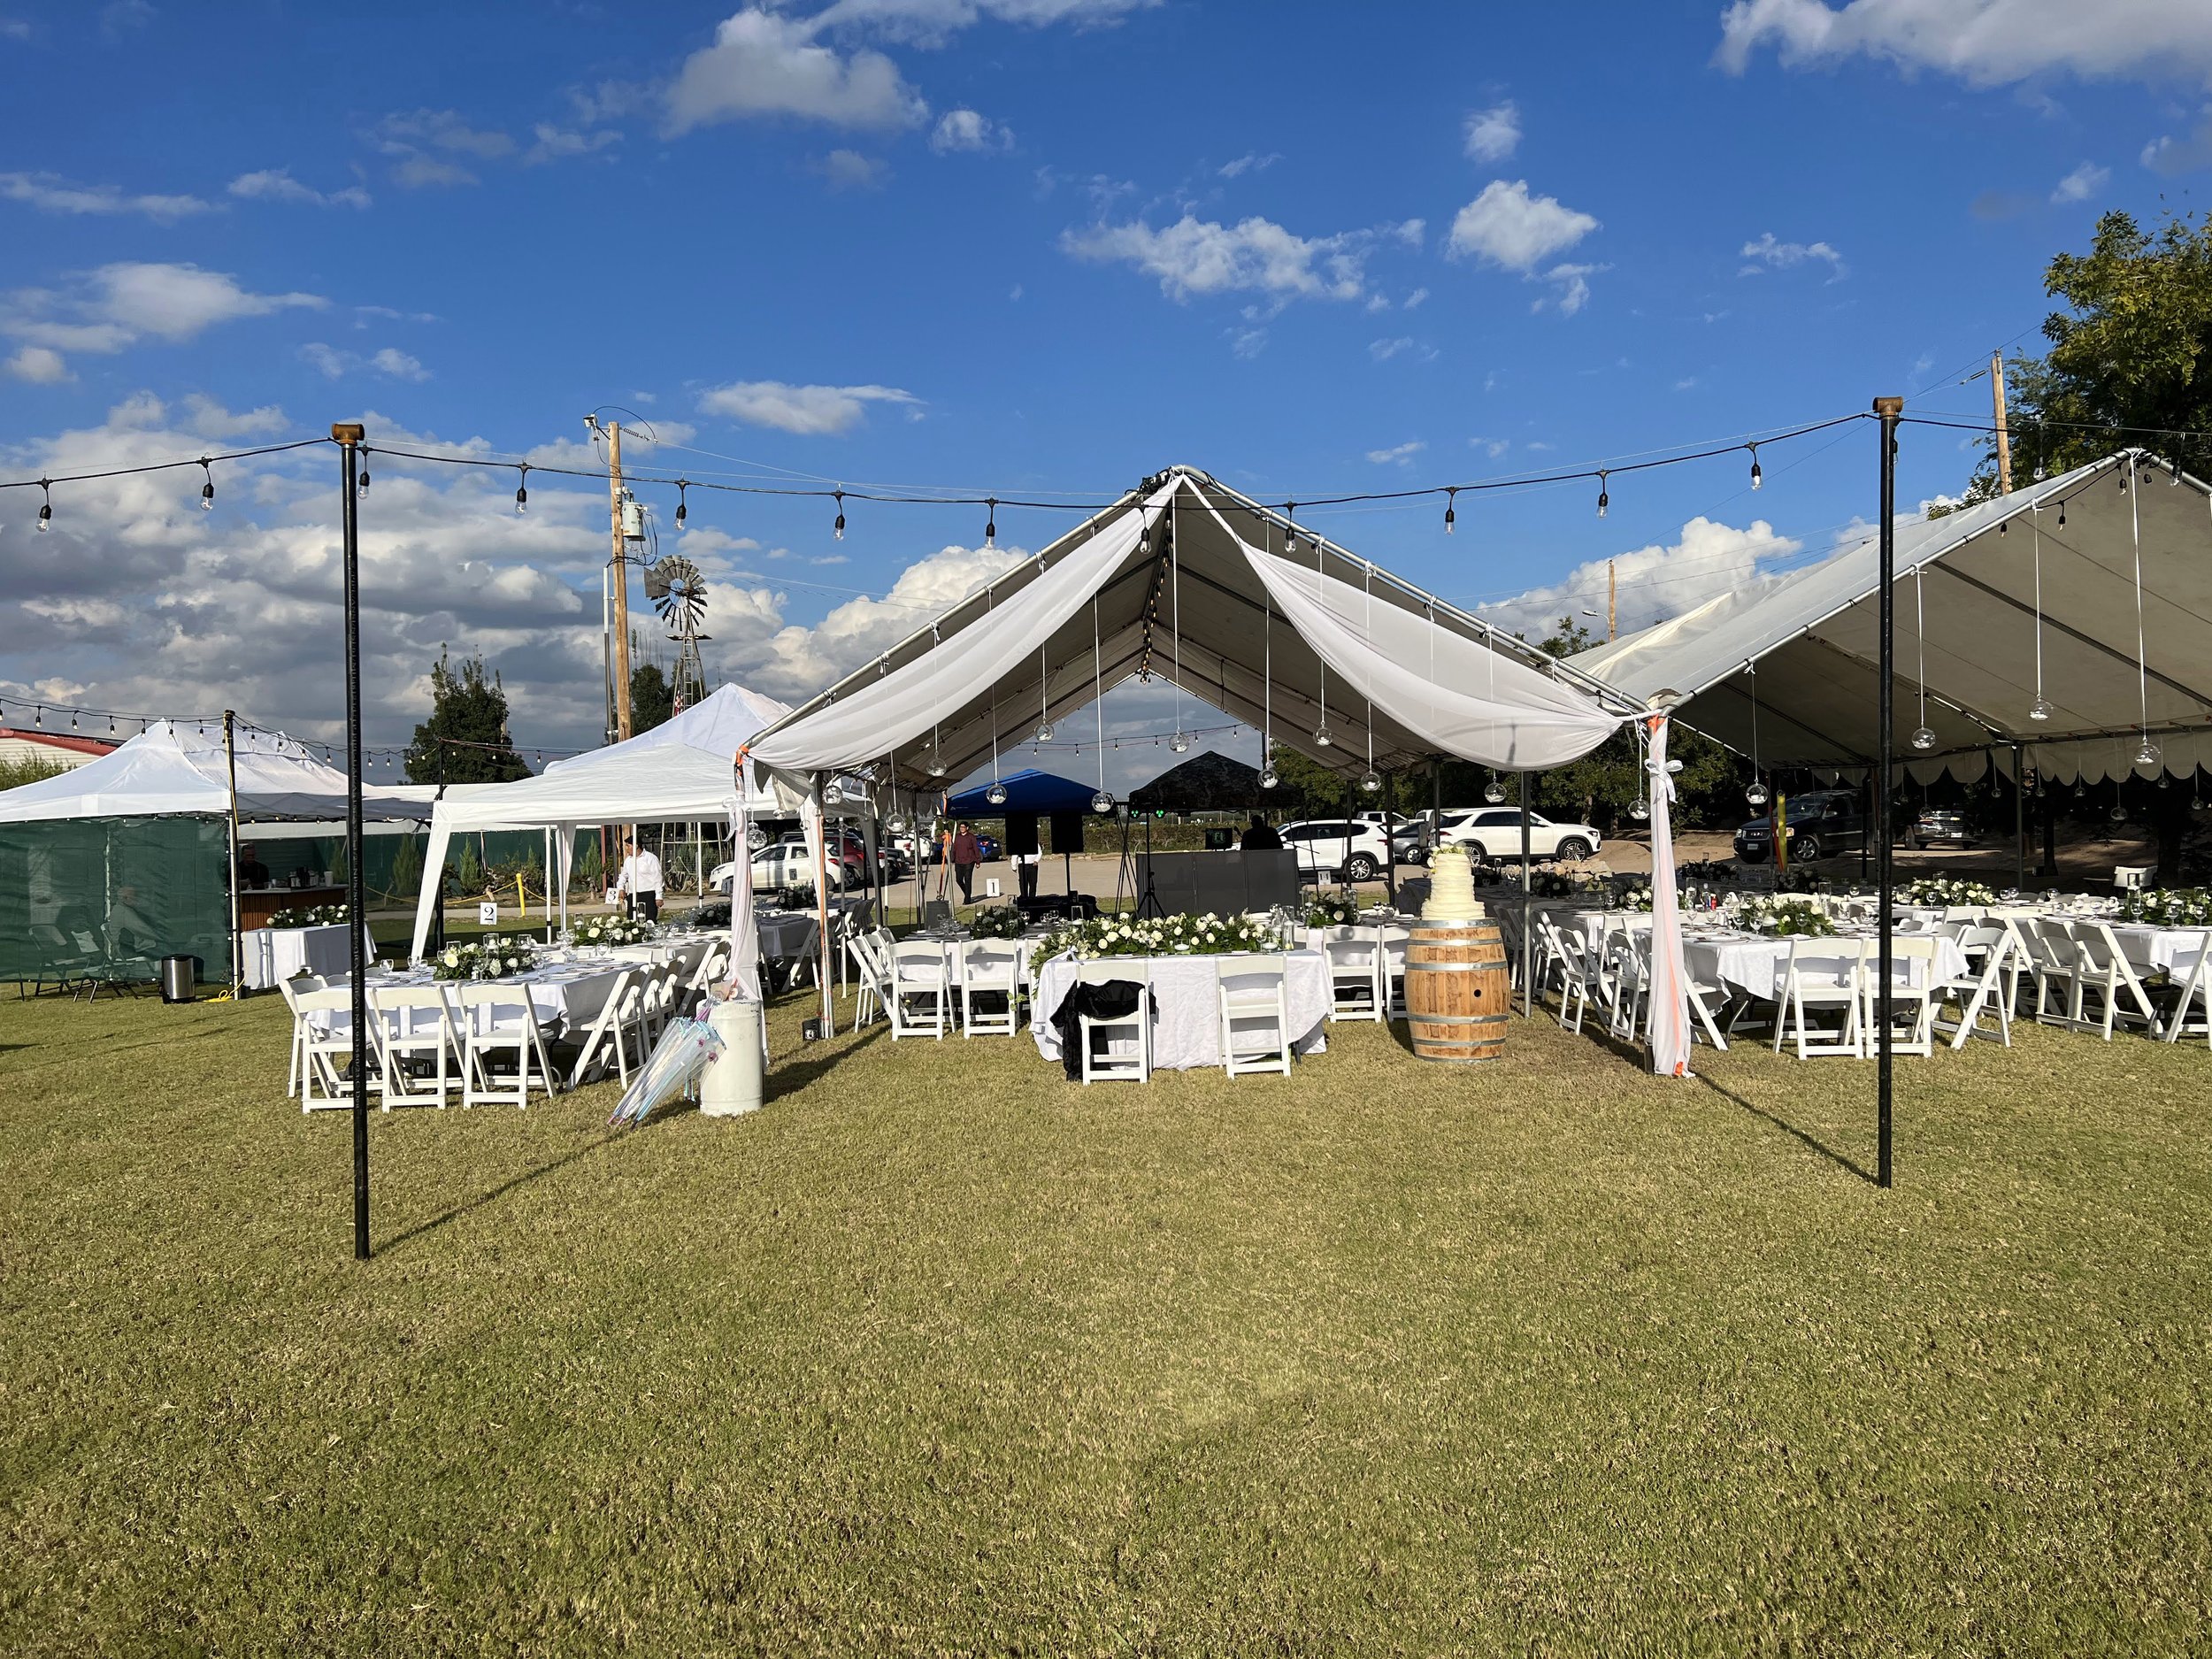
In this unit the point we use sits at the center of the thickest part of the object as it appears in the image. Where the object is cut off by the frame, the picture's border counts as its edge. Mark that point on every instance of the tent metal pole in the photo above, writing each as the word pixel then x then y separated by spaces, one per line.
pixel 1528 897
pixel 1888 409
pixel 237 932
pixel 2019 822
pixel 348 438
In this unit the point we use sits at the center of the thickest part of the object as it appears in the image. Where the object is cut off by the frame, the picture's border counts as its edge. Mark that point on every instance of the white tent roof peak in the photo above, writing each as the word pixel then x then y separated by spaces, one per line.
pixel 721 723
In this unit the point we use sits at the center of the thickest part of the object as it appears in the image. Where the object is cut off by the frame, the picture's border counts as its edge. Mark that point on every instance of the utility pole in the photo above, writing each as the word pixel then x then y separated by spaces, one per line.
pixel 1612 599
pixel 2004 438
pixel 621 584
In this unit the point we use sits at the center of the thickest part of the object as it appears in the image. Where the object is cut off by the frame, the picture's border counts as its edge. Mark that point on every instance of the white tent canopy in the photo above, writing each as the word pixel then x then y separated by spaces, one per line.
pixel 1289 640
pixel 683 770
pixel 174 770
pixel 2049 572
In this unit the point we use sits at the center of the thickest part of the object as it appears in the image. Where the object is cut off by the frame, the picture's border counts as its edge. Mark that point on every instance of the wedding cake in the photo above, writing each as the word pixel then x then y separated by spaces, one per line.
pixel 1451 887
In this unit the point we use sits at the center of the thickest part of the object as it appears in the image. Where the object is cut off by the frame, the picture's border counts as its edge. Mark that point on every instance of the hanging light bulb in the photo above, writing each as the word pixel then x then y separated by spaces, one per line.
pixel 1604 501
pixel 895 823
pixel 46 507
pixel 683 505
pixel 1451 498
pixel 207 490
pixel 996 794
pixel 838 529
pixel 2062 515
pixel 361 484
pixel 1181 741
pixel 110 725
pixel 38 718
pixel 1102 803
pixel 2119 814
pixel 1922 737
pixel 1371 780
pixel 72 721
pixel 1290 529
pixel 936 763
pixel 1322 736
pixel 1269 776
pixel 990 523
pixel 1758 478
pixel 2147 756
pixel 1494 791
pixel 522 492
pixel 1637 810
pixel 1044 732
pixel 2040 709
pixel 1756 795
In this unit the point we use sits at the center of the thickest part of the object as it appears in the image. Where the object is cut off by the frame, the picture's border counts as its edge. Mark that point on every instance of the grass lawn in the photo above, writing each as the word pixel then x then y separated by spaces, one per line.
pixel 941 1353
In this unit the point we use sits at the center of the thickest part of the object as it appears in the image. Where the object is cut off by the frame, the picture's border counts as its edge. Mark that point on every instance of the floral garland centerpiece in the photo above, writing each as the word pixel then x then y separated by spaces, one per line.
pixel 998 921
pixel 1208 935
pixel 594 931
pixel 2175 907
pixel 492 957
pixel 1780 915
pixel 309 916
pixel 1340 912
pixel 1943 892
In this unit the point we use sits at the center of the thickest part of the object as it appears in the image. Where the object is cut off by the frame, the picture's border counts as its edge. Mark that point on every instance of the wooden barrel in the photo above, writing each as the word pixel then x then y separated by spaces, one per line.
pixel 1458 997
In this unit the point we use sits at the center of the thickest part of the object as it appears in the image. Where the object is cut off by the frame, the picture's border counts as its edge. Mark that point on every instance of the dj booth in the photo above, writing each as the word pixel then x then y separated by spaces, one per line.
pixel 1224 883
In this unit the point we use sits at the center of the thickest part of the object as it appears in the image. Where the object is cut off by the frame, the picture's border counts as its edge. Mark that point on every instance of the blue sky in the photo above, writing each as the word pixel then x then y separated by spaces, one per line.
pixel 1015 245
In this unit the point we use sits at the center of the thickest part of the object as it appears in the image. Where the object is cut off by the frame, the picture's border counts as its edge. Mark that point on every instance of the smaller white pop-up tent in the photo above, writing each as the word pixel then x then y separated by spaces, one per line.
pixel 684 770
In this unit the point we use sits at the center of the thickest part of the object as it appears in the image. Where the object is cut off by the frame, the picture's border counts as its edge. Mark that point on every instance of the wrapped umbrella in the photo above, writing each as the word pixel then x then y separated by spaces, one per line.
pixel 685 1049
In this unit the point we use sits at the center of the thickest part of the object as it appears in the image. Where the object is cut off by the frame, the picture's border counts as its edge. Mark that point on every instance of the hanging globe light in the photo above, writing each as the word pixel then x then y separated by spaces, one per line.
pixel 996 794
pixel 895 823
pixel 1639 811
pixel 936 764
pixel 1181 741
pixel 1494 791
pixel 1756 795
pixel 1269 777
pixel 2119 813
pixel 1044 731
pixel 2147 758
pixel 1322 736
pixel 1922 737
pixel 757 838
pixel 1102 803
pixel 1371 780
pixel 2040 709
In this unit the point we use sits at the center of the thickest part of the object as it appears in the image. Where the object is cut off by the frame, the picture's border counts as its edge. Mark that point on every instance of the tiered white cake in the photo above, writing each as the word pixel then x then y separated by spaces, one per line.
pixel 1451 887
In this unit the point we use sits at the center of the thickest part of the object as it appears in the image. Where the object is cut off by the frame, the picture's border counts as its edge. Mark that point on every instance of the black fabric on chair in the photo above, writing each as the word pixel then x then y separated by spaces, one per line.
pixel 1115 999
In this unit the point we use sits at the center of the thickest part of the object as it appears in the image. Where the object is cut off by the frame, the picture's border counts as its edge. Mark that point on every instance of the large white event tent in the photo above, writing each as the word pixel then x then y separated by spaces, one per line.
pixel 1188 581
pixel 2087 597
pixel 682 770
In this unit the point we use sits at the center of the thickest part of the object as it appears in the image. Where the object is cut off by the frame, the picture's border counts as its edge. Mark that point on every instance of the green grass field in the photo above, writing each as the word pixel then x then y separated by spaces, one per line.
pixel 941 1353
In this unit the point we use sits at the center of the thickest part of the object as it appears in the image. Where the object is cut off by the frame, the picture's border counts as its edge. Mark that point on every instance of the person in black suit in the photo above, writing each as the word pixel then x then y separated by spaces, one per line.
pixel 1260 837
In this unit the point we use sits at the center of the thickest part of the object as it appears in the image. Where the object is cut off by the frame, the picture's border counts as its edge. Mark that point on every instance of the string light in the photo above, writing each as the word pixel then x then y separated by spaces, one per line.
pixel 361 484
pixel 522 490
pixel 990 522
pixel 207 490
pixel 1604 500
pixel 1290 528
pixel 46 507
pixel 1758 478
pixel 838 530
pixel 682 502
pixel 1451 516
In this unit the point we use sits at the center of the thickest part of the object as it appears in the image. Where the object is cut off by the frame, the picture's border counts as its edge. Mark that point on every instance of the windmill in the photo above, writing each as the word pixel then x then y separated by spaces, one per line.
pixel 678 593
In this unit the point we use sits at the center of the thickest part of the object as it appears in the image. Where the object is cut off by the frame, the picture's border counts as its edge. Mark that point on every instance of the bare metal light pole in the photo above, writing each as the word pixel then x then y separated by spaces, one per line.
pixel 1887 410
pixel 348 436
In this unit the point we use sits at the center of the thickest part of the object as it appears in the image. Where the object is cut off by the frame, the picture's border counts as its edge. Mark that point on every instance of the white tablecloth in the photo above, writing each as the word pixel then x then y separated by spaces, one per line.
pixel 274 954
pixel 2173 949
pixel 1186 1010
pixel 572 993
pixel 1754 965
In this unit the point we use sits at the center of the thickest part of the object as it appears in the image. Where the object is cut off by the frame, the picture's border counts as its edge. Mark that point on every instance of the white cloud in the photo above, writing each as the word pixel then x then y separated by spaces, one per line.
pixel 810 411
pixel 325 360
pixel 1400 455
pixel 1413 299
pixel 1411 232
pixel 1984 42
pixel 424 142
pixel 850 170
pixel 2172 157
pixel 333 363
pixel 398 364
pixel 969 131
pixel 1656 581
pixel 1249 162
pixel 1784 255
pixel 1571 287
pixel 115 306
pixel 1493 133
pixel 764 63
pixel 1508 226
pixel 1383 350
pixel 51 193
pixel 2079 185
pixel 1194 255
pixel 553 143
pixel 933 22
pixel 277 184
pixel 211 419
pixel 41 366
pixel 1492 447
pixel 1247 342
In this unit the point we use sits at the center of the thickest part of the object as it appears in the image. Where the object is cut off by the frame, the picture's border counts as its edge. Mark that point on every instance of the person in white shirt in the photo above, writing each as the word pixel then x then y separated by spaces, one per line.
pixel 640 878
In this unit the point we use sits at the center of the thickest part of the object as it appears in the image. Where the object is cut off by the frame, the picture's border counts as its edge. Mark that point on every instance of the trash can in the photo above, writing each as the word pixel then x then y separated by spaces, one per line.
pixel 179 978
pixel 731 1085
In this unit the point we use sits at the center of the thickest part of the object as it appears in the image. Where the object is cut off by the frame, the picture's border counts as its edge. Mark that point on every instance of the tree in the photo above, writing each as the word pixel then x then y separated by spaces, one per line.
pixel 467 728
pixel 652 700
pixel 2132 350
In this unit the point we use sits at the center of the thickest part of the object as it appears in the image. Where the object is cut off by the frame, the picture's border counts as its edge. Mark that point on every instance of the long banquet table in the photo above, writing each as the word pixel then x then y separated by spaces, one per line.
pixel 1185 1011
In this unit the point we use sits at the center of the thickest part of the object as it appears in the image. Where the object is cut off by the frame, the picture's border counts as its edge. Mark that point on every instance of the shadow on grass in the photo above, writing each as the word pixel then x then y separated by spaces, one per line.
pixel 499 1191
pixel 786 1075
pixel 1791 1130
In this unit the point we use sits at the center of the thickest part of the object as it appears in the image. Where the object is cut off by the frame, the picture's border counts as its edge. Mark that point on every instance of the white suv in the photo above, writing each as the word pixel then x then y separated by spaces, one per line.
pixel 1329 847
pixel 1495 833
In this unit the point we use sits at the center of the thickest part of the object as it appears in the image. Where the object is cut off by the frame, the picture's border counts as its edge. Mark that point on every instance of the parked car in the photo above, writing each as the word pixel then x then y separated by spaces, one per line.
pixel 1821 822
pixel 1942 826
pixel 1495 833
pixel 1408 836
pixel 787 862
pixel 987 845
pixel 1329 847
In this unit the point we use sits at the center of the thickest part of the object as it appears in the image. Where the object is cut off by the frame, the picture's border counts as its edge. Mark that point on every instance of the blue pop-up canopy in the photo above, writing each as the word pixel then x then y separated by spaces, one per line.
pixel 1027 791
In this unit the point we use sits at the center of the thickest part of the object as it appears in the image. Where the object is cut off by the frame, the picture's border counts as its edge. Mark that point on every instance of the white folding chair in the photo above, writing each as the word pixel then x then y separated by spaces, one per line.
pixel 1625 976
pixel 1709 1000
pixel 1912 993
pixel 2108 975
pixel 1392 969
pixel 1126 1051
pixel 325 1043
pixel 1353 956
pixel 415 1023
pixel 919 982
pixel 2196 992
pixel 612 1033
pixel 1989 955
pixel 293 990
pixel 872 969
pixel 1255 1004
pixel 500 1020
pixel 2055 962
pixel 1822 974
pixel 990 968
pixel 1578 979
pixel 714 965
